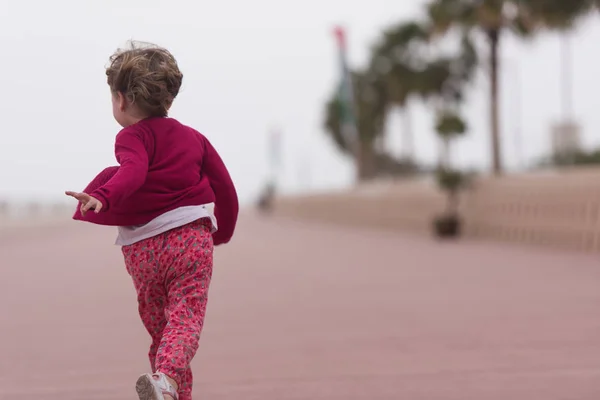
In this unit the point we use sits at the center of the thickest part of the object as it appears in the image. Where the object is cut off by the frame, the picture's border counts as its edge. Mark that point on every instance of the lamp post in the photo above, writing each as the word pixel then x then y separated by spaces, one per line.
pixel 275 148
pixel 517 110
pixel 566 133
pixel 566 78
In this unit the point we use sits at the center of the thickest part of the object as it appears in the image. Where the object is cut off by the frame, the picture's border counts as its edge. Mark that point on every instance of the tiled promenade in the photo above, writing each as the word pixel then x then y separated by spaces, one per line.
pixel 301 311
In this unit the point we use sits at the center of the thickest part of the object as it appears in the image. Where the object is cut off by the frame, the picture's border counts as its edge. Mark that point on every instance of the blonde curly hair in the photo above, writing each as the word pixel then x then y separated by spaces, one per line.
pixel 147 75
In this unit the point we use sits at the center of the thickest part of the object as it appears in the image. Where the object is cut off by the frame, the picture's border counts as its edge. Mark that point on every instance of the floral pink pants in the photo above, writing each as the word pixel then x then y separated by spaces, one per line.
pixel 171 273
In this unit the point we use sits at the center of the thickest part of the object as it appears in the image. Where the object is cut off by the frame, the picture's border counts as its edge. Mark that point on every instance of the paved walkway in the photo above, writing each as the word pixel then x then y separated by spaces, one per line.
pixel 309 312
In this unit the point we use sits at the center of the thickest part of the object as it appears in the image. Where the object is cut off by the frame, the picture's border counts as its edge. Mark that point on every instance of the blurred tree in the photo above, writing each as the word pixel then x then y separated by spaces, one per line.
pixel 371 104
pixel 403 65
pixel 445 79
pixel 400 67
pixel 369 109
pixel 449 125
pixel 493 18
pixel 396 60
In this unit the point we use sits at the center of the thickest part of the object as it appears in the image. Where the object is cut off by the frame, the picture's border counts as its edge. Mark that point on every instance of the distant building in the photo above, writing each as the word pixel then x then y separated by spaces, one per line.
pixel 565 139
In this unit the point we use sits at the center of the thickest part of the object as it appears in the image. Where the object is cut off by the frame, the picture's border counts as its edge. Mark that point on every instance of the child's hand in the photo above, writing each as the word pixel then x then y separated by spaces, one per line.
pixel 87 202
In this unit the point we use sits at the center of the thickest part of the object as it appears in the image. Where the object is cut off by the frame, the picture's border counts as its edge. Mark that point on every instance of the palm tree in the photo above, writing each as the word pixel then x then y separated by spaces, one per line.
pixel 394 63
pixel 371 107
pixel 402 63
pixel 493 18
pixel 398 69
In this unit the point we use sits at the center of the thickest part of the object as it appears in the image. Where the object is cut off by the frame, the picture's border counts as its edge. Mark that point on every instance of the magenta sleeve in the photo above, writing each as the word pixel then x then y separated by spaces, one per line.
pixel 101 179
pixel 226 199
pixel 132 157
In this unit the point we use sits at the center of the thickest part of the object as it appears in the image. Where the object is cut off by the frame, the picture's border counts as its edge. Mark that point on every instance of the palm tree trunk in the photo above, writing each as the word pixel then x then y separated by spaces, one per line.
pixel 445 161
pixel 408 142
pixel 365 161
pixel 494 38
pixel 379 145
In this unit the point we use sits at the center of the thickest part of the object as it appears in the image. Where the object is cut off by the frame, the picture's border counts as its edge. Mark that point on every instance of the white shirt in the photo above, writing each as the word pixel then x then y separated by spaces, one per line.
pixel 176 218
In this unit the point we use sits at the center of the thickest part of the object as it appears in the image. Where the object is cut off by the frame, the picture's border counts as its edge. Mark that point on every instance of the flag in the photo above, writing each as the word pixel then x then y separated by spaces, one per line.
pixel 346 93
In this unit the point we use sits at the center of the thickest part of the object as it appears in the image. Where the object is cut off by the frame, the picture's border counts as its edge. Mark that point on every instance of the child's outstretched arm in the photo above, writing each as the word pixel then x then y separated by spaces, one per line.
pixel 132 156
pixel 226 199
pixel 105 218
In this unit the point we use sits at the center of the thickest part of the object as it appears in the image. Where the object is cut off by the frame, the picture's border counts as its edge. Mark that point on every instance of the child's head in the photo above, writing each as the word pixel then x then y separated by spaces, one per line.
pixel 144 81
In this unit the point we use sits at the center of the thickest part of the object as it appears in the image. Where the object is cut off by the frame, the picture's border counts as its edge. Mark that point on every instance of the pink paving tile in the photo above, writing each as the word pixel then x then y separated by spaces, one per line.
pixel 307 311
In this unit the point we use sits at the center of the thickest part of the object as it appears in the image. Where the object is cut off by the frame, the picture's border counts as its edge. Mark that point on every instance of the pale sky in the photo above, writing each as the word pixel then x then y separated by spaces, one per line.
pixel 248 66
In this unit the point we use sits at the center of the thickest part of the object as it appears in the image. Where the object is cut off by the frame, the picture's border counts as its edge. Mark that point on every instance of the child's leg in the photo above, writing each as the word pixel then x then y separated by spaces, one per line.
pixel 140 259
pixel 171 273
pixel 187 282
pixel 152 312
pixel 186 384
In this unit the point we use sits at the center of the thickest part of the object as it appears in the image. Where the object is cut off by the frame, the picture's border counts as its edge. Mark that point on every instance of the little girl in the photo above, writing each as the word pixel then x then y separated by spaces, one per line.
pixel 166 197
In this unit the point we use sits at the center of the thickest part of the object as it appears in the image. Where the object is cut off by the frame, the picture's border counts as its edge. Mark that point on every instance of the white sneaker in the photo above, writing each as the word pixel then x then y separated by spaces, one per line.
pixel 154 387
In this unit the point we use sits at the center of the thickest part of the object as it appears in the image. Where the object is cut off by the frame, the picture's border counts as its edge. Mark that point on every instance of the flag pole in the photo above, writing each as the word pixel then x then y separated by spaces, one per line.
pixel 346 101
pixel 275 154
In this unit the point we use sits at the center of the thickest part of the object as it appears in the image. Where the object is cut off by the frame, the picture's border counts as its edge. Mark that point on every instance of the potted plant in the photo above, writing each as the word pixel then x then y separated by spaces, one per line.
pixel 448 224
pixel 449 126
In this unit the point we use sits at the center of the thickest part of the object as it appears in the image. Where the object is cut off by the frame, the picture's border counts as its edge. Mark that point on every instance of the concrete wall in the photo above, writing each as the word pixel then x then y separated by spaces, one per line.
pixel 553 208
pixel 17 216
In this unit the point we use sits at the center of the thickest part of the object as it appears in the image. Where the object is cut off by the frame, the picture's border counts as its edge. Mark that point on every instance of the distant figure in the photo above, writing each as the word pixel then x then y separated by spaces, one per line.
pixel 3 207
pixel 266 199
pixel 166 198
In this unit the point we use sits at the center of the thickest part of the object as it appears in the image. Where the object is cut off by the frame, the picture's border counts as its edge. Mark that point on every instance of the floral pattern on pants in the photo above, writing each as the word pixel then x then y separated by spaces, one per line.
pixel 171 273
